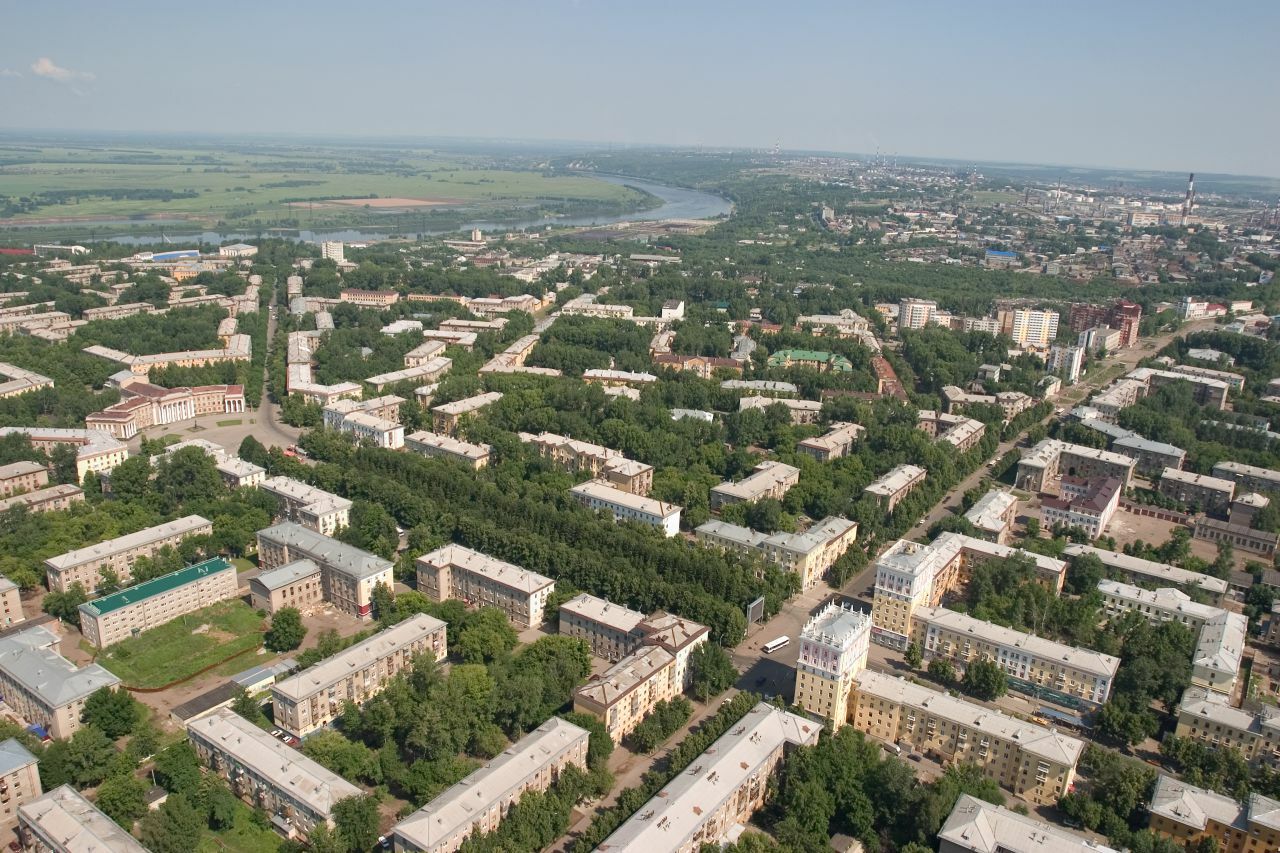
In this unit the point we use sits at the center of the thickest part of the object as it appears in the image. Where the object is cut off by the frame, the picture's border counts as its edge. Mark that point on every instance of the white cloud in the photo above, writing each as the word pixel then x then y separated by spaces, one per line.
pixel 9 72
pixel 46 67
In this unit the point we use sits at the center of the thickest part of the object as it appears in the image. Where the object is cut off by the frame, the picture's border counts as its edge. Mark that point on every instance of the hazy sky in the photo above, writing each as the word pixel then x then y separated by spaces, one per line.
pixel 1163 84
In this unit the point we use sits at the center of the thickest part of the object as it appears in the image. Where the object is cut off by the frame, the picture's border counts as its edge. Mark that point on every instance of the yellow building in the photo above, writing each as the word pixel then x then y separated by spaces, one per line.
pixel 628 691
pixel 1025 658
pixel 833 650
pixel 1186 814
pixel 911 575
pixel 1035 763
pixel 1206 716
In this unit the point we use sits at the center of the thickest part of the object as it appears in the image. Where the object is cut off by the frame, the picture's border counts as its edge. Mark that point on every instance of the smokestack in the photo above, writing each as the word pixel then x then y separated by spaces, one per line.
pixel 1189 202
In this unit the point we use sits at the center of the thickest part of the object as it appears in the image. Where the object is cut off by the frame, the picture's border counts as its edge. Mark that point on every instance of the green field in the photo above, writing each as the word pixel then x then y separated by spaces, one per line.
pixel 285 186
pixel 175 650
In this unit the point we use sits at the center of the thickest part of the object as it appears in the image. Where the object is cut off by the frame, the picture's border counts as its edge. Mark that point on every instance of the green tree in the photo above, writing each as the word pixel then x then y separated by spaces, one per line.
pixel 220 804
pixel 942 670
pixel 66 605
pixel 985 679
pixel 248 706
pixel 356 820
pixel 711 671
pixel 286 632
pixel 113 711
pixel 90 754
pixel 177 768
pixel 123 797
pixel 600 745
pixel 914 656
pixel 486 635
pixel 175 827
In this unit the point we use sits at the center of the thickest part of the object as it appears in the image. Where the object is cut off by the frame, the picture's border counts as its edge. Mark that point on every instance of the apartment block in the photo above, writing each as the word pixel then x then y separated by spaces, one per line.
pixel 1086 504
pixel 770 479
pixel 916 313
pixel 429 370
pixel 10 603
pixel 762 387
pixel 296 793
pixel 424 353
pixel 1033 328
pixel 96 450
pixel 1066 362
pixel 43 687
pixel 1152 456
pixel 238 348
pixel 53 498
pixel 846 324
pixel 1138 570
pixel 86 565
pixel 19 381
pixel 896 485
pixel 1120 396
pixel 153 603
pixel 1205 391
pixel 22 477
pixel 479 580
pixel 601 495
pixel 802 411
pixel 835 444
pixel 348 575
pixel 369 298
pixel 19 780
pixel 1209 717
pixel 478 803
pixel 993 516
pixel 447 415
pixel 594 460
pixel 833 649
pixel 1037 764
pixel 1248 477
pixel 297 585
pixel 1220 634
pixel 627 692
pixel 911 575
pixel 474 456
pixel 312 507
pixel 611 630
pixel 462 340
pixel 1034 664
pixel 721 789
pixel 960 432
pixel 1199 492
pixel 810 554
pixel 976 826
pixel 63 821
pixel 313 698
pixel 379 432
pixel 1234 381
pixel 1186 814
pixel 1050 460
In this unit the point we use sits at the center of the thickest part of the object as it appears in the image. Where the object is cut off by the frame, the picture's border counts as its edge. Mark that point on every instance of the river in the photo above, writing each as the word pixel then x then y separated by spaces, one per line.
pixel 677 203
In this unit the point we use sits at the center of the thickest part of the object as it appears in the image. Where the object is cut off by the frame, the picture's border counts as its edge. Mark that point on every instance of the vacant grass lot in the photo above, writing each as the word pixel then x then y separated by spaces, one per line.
pixel 231 185
pixel 186 645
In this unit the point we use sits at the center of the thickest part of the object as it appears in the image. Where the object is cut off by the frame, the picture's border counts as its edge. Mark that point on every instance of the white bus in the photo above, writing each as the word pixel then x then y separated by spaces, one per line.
pixel 773 645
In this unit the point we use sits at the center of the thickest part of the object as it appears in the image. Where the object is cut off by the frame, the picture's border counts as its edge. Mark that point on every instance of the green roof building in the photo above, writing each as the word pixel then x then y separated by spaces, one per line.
pixel 824 362
pixel 152 603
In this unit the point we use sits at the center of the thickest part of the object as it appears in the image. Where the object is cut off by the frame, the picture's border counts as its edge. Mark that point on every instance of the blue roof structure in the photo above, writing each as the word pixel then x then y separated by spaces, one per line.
pixel 996 253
